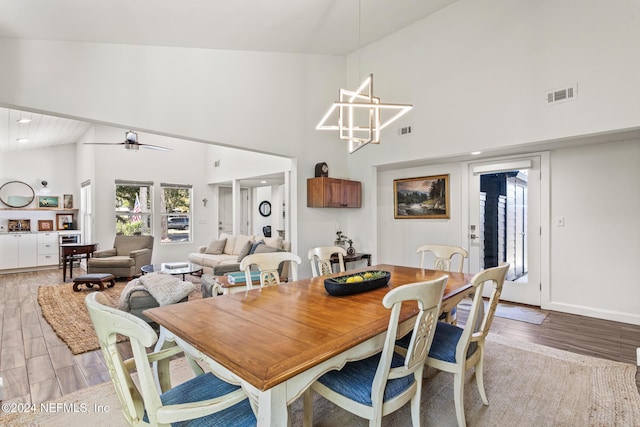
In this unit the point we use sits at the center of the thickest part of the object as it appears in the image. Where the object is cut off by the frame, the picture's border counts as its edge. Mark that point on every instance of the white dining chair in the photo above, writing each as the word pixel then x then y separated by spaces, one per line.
pixel 268 265
pixel 380 384
pixel 444 257
pixel 456 349
pixel 320 259
pixel 202 400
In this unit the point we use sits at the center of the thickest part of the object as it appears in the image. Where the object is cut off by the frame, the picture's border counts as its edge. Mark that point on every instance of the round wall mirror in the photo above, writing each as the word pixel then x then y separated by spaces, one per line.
pixel 265 208
pixel 16 194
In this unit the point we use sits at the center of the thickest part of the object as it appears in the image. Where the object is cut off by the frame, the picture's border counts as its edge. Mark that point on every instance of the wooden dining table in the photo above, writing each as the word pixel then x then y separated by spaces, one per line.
pixel 275 341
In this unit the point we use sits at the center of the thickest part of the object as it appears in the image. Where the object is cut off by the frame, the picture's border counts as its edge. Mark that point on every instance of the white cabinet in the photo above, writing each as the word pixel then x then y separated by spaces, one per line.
pixel 18 250
pixel 48 249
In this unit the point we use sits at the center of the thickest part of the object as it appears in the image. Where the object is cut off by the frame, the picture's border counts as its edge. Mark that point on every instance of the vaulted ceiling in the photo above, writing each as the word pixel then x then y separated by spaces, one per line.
pixel 334 27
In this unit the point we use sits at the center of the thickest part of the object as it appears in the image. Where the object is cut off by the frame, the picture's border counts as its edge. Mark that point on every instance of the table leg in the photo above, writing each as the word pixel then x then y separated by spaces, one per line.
pixel 272 407
pixel 64 268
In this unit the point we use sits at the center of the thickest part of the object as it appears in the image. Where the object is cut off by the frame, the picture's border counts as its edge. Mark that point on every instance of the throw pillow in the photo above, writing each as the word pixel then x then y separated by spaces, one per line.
pixel 255 245
pixel 231 243
pixel 241 240
pixel 245 250
pixel 275 242
pixel 216 247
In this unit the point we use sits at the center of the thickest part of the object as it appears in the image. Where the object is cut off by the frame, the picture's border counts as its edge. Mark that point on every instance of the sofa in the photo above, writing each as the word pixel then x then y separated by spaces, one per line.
pixel 224 254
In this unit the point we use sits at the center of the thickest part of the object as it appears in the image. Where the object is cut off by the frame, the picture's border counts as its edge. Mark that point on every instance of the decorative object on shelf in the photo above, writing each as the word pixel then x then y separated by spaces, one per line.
pixel 355 283
pixel 64 222
pixel 45 225
pixel 264 208
pixel 426 197
pixel 68 201
pixel 19 225
pixel 351 250
pixel 322 169
pixel 341 239
pixel 16 194
pixel 48 202
pixel 45 189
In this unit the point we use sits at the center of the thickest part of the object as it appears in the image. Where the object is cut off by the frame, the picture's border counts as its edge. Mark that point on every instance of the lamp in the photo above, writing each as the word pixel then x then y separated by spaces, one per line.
pixel 45 190
pixel 360 113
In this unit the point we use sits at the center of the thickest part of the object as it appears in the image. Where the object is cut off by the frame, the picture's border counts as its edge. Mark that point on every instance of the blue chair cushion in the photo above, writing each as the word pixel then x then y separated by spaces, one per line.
pixel 355 379
pixel 444 342
pixel 208 386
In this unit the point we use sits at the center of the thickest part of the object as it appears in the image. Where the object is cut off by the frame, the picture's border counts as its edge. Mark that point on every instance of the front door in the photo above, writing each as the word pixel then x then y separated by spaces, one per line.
pixel 504 224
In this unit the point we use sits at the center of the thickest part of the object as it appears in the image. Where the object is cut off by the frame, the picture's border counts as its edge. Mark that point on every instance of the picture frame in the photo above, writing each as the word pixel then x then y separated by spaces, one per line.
pixel 62 219
pixel 425 197
pixel 67 201
pixel 45 225
pixel 48 202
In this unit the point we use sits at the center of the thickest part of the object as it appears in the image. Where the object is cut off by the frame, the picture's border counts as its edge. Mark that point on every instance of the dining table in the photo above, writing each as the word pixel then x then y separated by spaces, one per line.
pixel 276 340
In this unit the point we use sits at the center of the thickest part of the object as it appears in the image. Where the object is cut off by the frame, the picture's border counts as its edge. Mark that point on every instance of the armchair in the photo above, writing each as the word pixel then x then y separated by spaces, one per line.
pixel 128 255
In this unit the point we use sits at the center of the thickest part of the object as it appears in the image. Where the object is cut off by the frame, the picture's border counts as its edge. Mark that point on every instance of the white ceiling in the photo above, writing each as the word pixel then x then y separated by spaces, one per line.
pixel 333 27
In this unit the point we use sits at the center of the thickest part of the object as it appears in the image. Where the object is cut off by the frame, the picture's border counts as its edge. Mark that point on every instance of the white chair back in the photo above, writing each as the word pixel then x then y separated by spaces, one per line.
pixel 145 399
pixel 320 259
pixel 268 264
pixel 444 255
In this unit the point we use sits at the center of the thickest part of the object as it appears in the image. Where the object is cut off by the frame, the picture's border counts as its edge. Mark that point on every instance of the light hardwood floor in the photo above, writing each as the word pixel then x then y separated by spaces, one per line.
pixel 37 366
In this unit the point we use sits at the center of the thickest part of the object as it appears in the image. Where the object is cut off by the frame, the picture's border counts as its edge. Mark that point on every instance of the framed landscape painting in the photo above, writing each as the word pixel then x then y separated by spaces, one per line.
pixel 48 201
pixel 425 197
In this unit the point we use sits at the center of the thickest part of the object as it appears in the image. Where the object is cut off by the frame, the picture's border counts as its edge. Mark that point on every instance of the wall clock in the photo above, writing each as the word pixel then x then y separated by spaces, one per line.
pixel 264 208
pixel 322 169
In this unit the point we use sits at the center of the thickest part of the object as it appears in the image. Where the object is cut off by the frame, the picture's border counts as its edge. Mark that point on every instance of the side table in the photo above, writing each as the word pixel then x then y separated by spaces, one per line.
pixel 71 251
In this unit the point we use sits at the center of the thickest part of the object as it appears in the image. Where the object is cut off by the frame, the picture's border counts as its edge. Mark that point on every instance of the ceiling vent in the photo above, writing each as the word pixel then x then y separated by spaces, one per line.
pixel 565 94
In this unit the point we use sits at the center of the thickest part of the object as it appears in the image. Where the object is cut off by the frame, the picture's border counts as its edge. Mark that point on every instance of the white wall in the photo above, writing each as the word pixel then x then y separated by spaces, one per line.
pixel 594 257
pixel 477 74
pixel 399 238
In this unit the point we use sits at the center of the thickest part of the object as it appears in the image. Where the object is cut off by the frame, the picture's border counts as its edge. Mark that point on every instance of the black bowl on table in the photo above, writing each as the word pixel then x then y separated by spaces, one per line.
pixel 338 286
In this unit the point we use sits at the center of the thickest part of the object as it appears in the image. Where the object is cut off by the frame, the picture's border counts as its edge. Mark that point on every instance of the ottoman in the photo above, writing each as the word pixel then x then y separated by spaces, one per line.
pixel 94 279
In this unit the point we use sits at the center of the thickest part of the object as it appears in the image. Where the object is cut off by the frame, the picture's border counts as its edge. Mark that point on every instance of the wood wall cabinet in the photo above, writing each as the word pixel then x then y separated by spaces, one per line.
pixel 333 193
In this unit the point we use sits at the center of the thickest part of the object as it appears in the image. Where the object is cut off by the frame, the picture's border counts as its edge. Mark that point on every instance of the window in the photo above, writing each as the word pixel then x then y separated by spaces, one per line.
pixel 134 201
pixel 175 208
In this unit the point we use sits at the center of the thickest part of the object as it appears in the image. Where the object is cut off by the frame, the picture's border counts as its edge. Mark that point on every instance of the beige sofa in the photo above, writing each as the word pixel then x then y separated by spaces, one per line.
pixel 224 255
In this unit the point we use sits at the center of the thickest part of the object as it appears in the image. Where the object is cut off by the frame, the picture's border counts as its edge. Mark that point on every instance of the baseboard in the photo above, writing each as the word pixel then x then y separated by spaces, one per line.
pixel 616 316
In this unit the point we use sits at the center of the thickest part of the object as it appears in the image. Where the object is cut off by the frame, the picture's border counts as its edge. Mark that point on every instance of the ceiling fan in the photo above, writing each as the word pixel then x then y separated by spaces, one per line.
pixel 131 143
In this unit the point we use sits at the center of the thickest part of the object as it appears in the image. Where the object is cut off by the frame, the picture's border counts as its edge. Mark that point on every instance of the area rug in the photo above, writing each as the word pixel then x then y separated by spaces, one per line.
pixel 527 385
pixel 65 311
pixel 512 311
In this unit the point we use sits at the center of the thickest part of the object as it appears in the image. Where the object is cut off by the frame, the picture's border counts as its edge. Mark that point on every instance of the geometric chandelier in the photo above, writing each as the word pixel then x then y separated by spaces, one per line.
pixel 360 115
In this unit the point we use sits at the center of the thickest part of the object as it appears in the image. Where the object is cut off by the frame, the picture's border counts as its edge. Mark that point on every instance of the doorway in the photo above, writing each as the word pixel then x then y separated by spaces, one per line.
pixel 504 224
pixel 225 211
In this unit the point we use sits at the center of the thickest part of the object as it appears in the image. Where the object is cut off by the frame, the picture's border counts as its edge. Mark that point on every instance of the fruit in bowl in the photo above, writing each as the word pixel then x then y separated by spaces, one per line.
pixel 355 283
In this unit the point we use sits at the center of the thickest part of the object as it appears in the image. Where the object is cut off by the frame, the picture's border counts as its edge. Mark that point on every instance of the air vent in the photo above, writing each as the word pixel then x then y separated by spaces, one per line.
pixel 565 94
pixel 405 130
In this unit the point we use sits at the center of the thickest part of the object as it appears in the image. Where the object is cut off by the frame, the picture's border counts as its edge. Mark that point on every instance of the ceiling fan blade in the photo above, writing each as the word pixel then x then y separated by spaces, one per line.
pixel 154 147
pixel 131 143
